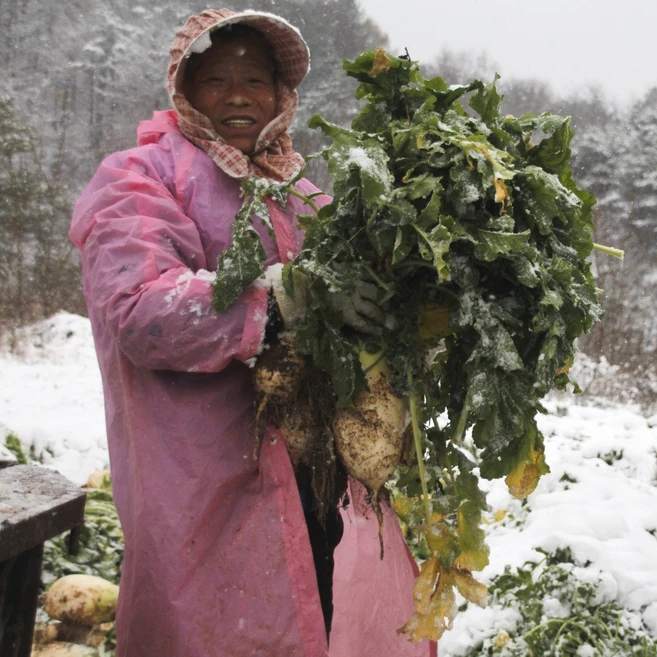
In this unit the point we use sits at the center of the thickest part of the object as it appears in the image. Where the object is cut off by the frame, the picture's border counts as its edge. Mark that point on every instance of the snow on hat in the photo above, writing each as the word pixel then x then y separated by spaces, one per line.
pixel 288 46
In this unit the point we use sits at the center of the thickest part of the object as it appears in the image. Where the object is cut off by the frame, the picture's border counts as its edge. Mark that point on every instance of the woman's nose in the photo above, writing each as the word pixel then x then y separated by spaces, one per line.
pixel 236 94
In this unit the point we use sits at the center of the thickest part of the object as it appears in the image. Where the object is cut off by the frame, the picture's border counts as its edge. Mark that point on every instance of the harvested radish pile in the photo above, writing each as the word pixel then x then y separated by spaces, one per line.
pixel 83 589
pixel 471 227
pixel 82 610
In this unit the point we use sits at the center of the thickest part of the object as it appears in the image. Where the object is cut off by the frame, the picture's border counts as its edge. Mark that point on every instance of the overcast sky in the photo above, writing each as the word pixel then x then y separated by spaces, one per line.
pixel 569 43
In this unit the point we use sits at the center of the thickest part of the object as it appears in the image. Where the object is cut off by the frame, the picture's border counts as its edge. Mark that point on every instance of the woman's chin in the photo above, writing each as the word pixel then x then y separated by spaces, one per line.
pixel 243 142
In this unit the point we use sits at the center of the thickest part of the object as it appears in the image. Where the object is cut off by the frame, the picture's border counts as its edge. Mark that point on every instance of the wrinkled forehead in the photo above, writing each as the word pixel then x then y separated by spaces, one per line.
pixel 229 46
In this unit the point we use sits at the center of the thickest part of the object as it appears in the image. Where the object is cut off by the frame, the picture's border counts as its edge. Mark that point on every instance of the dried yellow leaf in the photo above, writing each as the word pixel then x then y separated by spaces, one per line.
pixel 442 542
pixel 439 614
pixel 501 193
pixel 472 590
pixel 473 551
pixel 403 507
pixel 381 62
pixel 425 584
pixel 472 560
pixel 499 515
pixel 522 481
pixel 502 639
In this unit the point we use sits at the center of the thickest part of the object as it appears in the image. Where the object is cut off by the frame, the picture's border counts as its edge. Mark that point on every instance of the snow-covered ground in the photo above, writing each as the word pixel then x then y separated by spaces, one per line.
pixel 51 396
pixel 600 498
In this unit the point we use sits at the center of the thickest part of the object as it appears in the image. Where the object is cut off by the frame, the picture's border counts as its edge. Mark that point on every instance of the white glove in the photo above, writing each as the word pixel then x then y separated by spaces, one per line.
pixel 291 309
pixel 360 310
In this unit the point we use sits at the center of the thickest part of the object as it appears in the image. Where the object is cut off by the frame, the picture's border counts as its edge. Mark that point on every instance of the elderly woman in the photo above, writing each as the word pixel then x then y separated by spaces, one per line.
pixel 221 559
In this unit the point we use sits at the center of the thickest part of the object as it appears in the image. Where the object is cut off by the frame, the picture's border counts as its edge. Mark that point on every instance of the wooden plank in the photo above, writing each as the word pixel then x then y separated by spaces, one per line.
pixel 19 593
pixel 36 504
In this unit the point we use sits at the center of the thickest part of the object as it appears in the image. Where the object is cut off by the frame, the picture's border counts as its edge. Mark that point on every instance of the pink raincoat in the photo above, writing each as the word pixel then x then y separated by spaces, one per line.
pixel 218 561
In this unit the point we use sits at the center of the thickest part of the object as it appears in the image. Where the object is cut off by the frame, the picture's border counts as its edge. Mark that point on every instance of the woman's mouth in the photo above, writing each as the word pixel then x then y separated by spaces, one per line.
pixel 238 123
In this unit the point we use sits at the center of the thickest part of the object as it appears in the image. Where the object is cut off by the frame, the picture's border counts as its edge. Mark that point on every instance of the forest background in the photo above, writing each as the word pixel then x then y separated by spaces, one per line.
pixel 81 74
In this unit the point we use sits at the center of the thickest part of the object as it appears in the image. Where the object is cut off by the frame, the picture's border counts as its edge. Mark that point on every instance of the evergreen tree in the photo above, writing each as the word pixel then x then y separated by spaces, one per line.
pixel 39 275
pixel 617 161
pixel 639 177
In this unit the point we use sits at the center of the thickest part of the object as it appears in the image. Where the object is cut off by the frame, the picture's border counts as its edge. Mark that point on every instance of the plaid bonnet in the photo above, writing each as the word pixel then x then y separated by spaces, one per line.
pixel 274 157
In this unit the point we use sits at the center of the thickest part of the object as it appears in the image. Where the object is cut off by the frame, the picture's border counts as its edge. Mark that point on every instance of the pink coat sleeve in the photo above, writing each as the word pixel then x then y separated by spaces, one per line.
pixel 145 272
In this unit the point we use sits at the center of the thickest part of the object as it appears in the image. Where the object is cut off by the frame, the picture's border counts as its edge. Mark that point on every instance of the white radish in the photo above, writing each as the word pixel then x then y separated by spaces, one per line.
pixel 294 425
pixel 82 599
pixel 64 649
pixel 60 631
pixel 370 436
pixel 99 479
pixel 278 371
pixel 277 380
pixel 71 633
pixel 99 634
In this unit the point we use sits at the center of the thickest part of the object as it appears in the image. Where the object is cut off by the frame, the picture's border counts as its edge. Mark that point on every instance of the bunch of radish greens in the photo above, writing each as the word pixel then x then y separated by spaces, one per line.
pixel 477 237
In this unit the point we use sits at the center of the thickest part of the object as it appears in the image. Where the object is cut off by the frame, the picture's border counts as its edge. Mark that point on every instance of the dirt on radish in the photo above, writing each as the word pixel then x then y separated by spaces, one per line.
pixel 299 400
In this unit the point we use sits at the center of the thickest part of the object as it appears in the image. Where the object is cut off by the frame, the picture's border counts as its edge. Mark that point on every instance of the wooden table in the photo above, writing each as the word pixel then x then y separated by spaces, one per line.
pixel 36 504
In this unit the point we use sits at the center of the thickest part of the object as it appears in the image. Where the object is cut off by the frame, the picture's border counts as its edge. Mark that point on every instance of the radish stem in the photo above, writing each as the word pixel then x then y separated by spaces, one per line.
pixel 377 279
pixel 609 250
pixel 306 199
pixel 417 437
pixel 457 438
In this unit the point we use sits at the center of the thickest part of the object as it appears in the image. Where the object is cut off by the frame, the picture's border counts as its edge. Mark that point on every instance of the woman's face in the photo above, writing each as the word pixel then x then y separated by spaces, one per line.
pixel 232 83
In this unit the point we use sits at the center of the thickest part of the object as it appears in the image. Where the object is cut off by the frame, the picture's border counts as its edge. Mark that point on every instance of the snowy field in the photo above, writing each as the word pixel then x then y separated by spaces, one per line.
pixel 600 499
